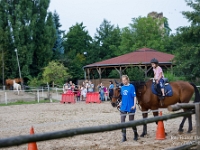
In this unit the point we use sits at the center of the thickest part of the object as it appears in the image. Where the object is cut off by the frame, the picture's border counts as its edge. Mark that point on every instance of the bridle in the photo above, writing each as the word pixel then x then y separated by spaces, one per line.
pixel 119 99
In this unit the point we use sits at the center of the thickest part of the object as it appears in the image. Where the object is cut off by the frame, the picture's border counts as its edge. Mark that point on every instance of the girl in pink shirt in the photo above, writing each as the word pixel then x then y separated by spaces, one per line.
pixel 158 75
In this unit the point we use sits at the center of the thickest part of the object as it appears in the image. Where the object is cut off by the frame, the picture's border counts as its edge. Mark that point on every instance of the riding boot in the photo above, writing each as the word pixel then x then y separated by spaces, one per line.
pixel 135 134
pixel 124 135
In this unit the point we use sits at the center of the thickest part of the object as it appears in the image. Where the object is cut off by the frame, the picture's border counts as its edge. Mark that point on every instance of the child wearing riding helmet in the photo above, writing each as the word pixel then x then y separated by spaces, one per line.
pixel 128 105
pixel 158 75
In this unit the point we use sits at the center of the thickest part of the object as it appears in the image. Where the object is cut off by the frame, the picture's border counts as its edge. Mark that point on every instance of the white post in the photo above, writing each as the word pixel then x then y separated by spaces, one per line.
pixel 38 96
pixel 57 92
pixel 6 100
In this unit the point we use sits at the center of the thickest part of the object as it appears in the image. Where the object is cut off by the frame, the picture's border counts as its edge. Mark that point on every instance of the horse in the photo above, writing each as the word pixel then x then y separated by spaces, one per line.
pixel 182 93
pixel 16 86
pixel 9 82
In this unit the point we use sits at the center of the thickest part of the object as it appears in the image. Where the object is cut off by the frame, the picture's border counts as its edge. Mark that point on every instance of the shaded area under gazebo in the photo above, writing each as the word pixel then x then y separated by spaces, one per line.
pixel 140 58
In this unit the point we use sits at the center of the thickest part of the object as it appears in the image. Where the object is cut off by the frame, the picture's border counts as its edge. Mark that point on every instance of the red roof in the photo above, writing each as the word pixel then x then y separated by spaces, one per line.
pixel 141 56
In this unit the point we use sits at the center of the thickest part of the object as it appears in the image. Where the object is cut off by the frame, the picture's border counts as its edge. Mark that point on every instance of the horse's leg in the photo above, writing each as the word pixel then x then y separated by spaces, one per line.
pixel 144 115
pixel 155 114
pixel 189 123
pixel 182 124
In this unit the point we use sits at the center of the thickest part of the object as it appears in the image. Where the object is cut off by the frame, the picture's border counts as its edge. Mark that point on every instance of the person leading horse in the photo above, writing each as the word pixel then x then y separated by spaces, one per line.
pixel 148 99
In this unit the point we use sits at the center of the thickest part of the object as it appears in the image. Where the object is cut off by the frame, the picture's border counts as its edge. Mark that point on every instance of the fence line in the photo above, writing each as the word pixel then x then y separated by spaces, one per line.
pixel 18 140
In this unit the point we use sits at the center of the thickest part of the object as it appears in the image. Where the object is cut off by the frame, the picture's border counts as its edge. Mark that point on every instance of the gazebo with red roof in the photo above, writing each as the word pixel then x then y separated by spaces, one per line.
pixel 140 58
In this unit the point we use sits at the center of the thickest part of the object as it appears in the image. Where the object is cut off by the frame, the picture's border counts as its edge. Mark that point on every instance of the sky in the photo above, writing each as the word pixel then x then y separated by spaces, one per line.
pixel 118 12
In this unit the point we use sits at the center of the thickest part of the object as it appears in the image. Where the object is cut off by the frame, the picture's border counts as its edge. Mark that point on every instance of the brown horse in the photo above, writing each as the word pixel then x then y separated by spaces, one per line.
pixel 9 82
pixel 182 93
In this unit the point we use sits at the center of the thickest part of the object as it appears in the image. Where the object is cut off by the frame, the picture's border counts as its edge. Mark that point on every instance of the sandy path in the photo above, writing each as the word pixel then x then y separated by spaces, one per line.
pixel 17 120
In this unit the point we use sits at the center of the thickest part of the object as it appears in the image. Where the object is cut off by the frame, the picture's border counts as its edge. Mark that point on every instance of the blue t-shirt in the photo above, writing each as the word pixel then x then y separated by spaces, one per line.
pixel 111 86
pixel 128 94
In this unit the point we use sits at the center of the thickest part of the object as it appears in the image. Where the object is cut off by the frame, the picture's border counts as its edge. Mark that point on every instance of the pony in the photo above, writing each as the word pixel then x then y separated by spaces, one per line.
pixel 16 86
pixel 182 93
pixel 9 82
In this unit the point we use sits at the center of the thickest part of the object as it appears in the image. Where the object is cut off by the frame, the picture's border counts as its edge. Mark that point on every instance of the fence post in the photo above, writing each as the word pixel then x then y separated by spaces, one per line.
pixel 197 112
pixel 38 96
pixel 42 92
pixel 6 100
pixel 57 92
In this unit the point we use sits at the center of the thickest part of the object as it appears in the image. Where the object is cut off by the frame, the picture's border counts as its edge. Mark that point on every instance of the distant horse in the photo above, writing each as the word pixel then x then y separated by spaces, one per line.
pixel 9 82
pixel 16 87
pixel 182 93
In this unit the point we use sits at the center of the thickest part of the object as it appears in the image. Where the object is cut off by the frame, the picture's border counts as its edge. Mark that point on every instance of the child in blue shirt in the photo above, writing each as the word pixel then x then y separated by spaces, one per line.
pixel 128 105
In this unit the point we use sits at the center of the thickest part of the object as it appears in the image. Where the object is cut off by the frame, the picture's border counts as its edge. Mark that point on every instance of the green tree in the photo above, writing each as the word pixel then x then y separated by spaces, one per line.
pixel 106 41
pixel 44 37
pixel 77 46
pixel 56 73
pixel 188 39
pixel 143 32
pixel 135 74
pixel 58 49
pixel 28 27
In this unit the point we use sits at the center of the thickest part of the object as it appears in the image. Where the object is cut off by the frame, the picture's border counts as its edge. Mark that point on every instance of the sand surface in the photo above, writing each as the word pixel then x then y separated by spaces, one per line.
pixel 17 120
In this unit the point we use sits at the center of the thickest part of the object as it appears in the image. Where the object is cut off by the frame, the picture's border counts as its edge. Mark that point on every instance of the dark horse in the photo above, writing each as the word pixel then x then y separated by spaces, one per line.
pixel 182 93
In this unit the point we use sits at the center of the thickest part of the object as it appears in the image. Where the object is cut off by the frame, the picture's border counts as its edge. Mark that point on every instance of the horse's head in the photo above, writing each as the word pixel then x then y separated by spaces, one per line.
pixel 116 99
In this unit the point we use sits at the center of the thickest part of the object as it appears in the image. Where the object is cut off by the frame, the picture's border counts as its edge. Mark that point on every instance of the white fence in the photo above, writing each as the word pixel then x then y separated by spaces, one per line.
pixel 11 96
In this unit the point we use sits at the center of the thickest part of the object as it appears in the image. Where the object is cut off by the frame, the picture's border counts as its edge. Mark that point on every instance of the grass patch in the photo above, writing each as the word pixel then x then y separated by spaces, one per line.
pixel 21 102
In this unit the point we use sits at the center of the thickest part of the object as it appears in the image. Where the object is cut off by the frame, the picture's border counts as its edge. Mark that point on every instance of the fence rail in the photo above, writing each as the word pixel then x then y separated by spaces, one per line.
pixel 18 140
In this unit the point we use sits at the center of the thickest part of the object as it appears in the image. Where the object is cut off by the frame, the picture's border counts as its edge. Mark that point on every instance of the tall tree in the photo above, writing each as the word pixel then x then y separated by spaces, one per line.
pixel 77 46
pixel 106 41
pixel 188 38
pixel 143 32
pixel 29 28
pixel 58 49
pixel 44 36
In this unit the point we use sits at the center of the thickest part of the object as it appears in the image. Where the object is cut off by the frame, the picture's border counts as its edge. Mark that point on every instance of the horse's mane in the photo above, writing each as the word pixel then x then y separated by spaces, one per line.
pixel 139 84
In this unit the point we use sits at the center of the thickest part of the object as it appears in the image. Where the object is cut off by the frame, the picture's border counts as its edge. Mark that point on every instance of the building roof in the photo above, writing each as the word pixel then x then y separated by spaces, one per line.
pixel 141 56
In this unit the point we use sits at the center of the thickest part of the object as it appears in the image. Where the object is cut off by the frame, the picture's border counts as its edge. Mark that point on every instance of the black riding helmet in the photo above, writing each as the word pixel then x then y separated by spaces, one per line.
pixel 155 61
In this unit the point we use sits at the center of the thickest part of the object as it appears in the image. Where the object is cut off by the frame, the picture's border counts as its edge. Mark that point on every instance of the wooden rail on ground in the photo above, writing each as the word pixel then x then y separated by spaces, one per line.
pixel 18 140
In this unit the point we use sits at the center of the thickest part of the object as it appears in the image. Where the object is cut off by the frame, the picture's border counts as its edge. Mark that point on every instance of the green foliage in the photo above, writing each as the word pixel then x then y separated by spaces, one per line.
pixel 188 39
pixel 106 41
pixel 55 72
pixel 35 82
pixel 143 32
pixel 28 27
pixel 77 42
pixel 113 74
pixel 135 74
pixel 58 48
pixel 172 77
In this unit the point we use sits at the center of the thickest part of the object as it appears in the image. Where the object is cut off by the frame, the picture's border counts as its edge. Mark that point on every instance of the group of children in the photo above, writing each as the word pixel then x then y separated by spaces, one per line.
pixel 80 91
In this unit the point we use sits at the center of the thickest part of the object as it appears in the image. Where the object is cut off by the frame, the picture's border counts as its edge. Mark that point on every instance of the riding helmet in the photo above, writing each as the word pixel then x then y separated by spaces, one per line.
pixel 155 61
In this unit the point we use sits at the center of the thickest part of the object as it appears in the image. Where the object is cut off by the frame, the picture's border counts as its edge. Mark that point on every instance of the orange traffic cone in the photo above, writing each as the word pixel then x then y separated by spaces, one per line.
pixel 160 133
pixel 33 145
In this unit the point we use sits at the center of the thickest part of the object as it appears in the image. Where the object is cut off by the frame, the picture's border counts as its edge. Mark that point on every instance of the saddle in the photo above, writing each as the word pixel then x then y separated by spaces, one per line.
pixel 155 88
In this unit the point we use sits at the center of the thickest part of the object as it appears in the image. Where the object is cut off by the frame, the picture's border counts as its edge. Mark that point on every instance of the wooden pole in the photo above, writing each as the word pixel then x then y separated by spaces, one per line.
pixel 145 71
pixel 197 112
pixel 185 146
pixel 181 106
pixel 18 140
pixel 120 72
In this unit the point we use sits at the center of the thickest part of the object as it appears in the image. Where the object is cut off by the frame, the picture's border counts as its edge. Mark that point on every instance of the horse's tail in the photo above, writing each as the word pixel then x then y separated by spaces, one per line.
pixel 197 95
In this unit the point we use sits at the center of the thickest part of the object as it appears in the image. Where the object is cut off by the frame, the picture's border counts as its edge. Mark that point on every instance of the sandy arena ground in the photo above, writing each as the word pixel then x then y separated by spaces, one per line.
pixel 17 120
